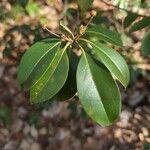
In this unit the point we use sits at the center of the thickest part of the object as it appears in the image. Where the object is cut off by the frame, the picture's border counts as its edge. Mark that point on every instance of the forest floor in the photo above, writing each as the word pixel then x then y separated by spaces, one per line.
pixel 63 125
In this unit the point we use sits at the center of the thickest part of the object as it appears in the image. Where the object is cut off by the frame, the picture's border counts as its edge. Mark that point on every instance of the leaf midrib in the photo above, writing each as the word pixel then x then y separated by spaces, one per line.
pixel 41 59
pixel 36 101
pixel 52 71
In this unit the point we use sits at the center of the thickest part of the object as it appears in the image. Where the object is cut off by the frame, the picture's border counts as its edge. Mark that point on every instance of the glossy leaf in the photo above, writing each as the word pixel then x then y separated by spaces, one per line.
pixel 40 68
pixel 98 92
pixel 33 56
pixel 146 45
pixel 140 24
pixel 113 61
pixel 129 19
pixel 53 78
pixel 84 5
pixel 104 35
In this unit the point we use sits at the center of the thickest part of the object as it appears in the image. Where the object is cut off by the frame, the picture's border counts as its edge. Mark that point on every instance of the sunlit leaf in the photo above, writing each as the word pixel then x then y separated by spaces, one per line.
pixel 98 92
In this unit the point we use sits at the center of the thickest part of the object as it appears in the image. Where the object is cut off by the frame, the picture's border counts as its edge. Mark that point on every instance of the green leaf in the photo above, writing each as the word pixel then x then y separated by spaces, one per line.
pixel 113 61
pixel 40 68
pixel 146 45
pixel 104 35
pixel 70 88
pixel 129 19
pixel 98 91
pixel 84 5
pixel 53 78
pixel 140 24
pixel 33 56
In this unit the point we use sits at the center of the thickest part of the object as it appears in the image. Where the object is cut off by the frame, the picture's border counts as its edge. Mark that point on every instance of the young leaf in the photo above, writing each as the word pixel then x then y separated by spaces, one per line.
pixel 33 56
pixel 140 24
pixel 53 78
pixel 84 5
pixel 98 92
pixel 105 35
pixel 113 61
pixel 146 45
pixel 129 19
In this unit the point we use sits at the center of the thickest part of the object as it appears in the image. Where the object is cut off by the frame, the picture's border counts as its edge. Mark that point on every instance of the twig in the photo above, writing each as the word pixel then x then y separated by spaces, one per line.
pixel 83 28
pixel 117 7
pixel 93 14
pixel 45 28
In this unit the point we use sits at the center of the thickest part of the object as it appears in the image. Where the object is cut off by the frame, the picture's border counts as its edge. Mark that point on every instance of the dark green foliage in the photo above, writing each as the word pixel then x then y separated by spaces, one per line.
pixel 51 67
pixel 145 22
pixel 28 65
pixel 98 91
pixel 146 45
pixel 104 35
pixel 113 61
pixel 130 18
pixel 146 146
pixel 45 66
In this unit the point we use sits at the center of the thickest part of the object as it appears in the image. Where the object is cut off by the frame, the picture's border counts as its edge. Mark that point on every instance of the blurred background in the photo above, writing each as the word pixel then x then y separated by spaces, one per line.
pixel 63 125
